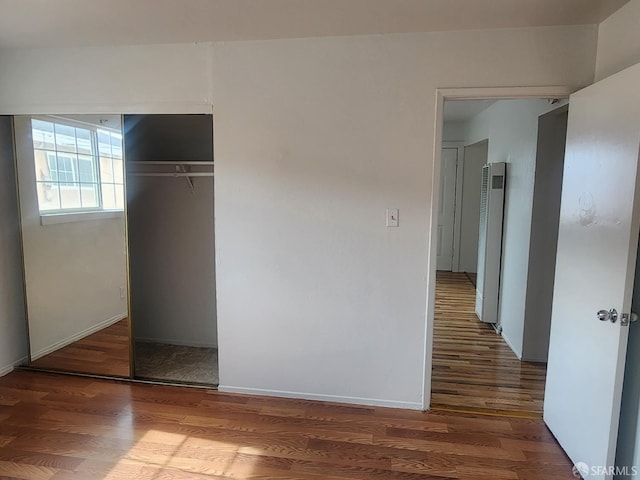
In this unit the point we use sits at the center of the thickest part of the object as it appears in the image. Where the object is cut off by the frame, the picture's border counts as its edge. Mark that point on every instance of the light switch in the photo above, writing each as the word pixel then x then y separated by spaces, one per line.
pixel 392 217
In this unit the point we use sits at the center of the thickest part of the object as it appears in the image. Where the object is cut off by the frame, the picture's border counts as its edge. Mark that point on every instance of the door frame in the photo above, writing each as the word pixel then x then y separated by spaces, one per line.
pixel 442 94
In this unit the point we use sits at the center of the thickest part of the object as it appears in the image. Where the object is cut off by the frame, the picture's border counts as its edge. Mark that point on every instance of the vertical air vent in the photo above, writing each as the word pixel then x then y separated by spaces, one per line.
pixel 490 242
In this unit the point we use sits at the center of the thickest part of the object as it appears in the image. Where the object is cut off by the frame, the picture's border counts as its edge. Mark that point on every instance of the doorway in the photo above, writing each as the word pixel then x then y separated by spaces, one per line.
pixel 497 366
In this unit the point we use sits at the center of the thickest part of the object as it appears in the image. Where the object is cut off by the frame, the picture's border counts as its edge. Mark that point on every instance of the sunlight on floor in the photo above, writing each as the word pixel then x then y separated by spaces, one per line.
pixel 158 452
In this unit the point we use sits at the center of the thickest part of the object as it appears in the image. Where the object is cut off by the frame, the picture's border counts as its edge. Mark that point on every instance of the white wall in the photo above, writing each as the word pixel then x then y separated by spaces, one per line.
pixel 73 271
pixel 315 138
pixel 545 219
pixel 619 41
pixel 172 260
pixel 512 127
pixel 132 79
pixel 453 131
pixel 13 343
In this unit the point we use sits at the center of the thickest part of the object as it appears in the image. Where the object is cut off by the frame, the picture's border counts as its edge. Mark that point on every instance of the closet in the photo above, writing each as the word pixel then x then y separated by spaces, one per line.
pixel 170 233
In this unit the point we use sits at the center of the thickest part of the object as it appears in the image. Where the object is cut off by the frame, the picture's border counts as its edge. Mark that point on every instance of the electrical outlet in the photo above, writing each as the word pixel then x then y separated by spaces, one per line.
pixel 123 293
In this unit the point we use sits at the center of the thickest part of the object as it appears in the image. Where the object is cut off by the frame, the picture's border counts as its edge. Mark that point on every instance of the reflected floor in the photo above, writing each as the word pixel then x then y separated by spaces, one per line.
pixel 105 352
pixel 177 363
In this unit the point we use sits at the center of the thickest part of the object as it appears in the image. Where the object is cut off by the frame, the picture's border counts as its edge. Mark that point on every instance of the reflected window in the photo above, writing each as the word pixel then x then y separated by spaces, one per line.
pixel 79 167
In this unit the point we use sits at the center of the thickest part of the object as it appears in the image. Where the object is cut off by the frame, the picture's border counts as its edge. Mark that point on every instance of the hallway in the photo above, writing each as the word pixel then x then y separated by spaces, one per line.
pixel 474 369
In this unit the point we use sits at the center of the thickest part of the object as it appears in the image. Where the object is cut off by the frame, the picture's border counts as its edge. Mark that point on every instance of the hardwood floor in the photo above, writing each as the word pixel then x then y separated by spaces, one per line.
pixel 473 368
pixel 64 427
pixel 105 352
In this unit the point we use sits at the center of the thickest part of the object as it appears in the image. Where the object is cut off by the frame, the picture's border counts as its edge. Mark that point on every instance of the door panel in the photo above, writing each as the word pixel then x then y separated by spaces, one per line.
pixel 597 246
pixel 475 157
pixel 447 208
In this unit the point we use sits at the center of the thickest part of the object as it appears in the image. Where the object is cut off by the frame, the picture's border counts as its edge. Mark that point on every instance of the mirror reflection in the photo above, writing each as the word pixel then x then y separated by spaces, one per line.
pixel 71 195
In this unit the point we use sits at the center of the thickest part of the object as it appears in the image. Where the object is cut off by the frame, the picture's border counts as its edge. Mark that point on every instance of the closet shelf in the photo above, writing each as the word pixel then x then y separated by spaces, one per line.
pixel 178 169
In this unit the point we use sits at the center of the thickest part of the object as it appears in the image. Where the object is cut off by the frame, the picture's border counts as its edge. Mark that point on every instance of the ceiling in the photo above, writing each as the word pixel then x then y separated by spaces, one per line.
pixel 38 23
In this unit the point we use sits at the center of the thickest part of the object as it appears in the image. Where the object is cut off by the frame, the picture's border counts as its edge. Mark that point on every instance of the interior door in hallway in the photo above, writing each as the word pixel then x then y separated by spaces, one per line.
pixel 447 208
pixel 597 247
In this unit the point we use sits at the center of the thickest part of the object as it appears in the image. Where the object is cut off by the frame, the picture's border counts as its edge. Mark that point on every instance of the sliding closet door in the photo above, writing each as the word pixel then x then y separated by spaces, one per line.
pixel 171 246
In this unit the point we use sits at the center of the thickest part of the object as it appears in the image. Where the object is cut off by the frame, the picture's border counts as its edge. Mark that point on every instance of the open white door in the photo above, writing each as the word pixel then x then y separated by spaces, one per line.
pixel 597 247
pixel 447 209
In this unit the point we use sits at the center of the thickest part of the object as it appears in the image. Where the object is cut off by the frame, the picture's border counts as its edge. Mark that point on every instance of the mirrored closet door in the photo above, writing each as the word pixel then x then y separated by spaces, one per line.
pixel 70 171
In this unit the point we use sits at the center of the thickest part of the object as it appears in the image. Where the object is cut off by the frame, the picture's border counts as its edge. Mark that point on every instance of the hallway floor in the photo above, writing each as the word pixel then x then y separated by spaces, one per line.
pixel 474 370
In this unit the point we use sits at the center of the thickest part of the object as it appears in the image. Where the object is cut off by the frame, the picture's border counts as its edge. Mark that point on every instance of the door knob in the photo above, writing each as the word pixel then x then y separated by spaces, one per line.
pixel 611 315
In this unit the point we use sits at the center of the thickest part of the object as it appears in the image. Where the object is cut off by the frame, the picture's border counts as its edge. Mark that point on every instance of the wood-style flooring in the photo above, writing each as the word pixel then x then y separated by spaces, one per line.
pixel 56 427
pixel 105 352
pixel 473 368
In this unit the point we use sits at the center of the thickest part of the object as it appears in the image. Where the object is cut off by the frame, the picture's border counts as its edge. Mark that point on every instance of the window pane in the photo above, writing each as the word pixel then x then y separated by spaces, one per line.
pixel 48 197
pixel 118 171
pixel 86 170
pixel 104 144
pixel 106 170
pixel 108 196
pixel 89 195
pixel 116 145
pixel 67 166
pixel 84 141
pixel 43 136
pixel 61 168
pixel 120 196
pixel 52 165
pixel 65 138
pixel 70 196
pixel 43 172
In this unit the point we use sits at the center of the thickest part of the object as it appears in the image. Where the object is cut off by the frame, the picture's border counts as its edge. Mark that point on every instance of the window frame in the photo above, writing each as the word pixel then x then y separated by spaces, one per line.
pixel 64 215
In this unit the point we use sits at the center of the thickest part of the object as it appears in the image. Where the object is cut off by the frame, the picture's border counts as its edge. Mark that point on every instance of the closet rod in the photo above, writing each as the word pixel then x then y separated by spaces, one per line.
pixel 168 174
pixel 169 162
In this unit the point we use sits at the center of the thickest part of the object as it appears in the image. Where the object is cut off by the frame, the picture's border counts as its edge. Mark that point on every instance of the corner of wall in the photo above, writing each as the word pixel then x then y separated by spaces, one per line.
pixel 6 369
pixel 618 44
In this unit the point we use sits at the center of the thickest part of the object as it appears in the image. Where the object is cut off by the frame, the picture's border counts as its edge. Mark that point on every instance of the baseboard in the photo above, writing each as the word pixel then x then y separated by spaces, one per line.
pixel 374 402
pixel 9 368
pixel 508 342
pixel 78 336
pixel 534 359
pixel 182 343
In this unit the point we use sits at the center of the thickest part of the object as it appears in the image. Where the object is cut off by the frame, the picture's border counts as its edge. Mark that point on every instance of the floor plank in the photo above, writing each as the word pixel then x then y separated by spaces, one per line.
pixel 473 368
pixel 63 427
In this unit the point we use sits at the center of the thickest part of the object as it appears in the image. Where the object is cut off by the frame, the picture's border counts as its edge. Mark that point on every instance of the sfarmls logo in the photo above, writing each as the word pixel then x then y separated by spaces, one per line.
pixel 582 470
